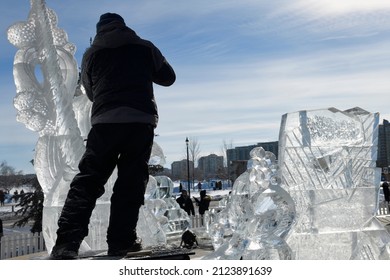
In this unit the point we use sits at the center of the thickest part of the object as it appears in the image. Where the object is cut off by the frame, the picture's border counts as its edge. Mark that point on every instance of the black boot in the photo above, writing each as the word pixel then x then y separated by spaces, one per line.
pixel 66 251
pixel 134 247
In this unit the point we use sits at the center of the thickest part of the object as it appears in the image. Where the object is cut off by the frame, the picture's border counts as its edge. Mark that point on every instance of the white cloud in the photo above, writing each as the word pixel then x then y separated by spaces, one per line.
pixel 337 7
pixel 245 101
pixel 306 20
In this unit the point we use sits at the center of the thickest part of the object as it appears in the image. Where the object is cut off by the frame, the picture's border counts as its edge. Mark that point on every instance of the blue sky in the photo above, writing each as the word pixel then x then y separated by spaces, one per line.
pixel 240 65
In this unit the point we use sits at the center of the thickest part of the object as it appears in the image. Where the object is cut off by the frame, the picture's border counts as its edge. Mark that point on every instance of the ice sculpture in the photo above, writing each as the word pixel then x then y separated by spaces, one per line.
pixel 327 160
pixel 46 106
pixel 49 102
pixel 163 213
pixel 258 216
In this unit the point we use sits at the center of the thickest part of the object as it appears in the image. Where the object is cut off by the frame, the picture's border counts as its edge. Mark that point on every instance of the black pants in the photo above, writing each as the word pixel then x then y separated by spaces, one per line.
pixel 127 147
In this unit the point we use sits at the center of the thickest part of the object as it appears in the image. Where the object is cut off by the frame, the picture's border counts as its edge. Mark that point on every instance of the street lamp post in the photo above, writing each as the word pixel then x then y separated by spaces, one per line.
pixel 188 169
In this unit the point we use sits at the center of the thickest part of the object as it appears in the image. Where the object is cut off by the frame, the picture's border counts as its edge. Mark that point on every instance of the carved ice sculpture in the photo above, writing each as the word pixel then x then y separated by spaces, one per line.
pixel 52 105
pixel 164 213
pixel 328 175
pixel 46 106
pixel 327 163
pixel 258 216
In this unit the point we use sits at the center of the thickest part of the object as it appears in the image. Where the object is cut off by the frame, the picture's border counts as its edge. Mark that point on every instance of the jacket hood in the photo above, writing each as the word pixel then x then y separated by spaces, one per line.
pixel 113 35
pixel 107 18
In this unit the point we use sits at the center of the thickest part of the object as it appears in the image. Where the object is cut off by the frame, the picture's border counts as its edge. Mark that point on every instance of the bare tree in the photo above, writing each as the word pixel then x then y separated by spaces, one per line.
pixel 194 152
pixel 194 149
pixel 7 170
pixel 9 177
pixel 226 145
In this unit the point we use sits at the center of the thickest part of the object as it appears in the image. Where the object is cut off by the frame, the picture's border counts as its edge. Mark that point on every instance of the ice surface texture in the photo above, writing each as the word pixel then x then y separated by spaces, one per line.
pixel 327 162
pixel 45 74
pixel 325 187
pixel 257 217
pixel 49 102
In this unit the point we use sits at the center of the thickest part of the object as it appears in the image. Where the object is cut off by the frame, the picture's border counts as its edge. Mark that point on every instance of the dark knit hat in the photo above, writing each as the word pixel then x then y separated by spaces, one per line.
pixel 107 18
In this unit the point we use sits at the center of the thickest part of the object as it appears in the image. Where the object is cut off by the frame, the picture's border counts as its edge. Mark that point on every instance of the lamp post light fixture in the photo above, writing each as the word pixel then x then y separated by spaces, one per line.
pixel 188 169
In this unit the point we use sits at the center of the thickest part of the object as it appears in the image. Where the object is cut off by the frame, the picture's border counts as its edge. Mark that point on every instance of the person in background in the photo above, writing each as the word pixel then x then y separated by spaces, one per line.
pixel 204 202
pixel 386 191
pixel 16 196
pixel 1 229
pixel 180 188
pixel 2 197
pixel 186 203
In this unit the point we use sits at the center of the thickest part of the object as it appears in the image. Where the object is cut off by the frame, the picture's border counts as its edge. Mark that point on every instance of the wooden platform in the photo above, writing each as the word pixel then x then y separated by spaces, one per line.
pixel 155 253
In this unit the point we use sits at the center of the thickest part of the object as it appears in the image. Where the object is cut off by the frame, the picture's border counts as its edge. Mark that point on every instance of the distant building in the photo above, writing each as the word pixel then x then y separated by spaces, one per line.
pixel 179 169
pixel 236 168
pixel 211 166
pixel 383 159
pixel 242 153
pixel 238 156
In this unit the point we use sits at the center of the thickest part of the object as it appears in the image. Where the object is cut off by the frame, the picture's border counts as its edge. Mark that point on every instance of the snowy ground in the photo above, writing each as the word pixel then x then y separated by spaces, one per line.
pixel 215 195
pixel 7 208
pixel 9 219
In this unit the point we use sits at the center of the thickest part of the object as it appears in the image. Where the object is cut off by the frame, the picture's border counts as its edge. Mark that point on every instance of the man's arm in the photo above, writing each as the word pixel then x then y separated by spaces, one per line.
pixel 85 76
pixel 165 76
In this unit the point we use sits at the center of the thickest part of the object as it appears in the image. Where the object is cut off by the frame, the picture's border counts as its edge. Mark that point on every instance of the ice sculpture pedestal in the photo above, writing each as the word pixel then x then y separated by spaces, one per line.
pixel 342 233
pixel 96 239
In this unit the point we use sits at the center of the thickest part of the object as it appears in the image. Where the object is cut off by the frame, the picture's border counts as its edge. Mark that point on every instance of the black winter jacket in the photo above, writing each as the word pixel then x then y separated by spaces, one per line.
pixel 118 72
pixel 186 204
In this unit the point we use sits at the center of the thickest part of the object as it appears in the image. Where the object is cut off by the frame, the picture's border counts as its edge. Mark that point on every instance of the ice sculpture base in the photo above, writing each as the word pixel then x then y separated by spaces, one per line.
pixel 365 244
pixel 148 227
pixel 335 209
pixel 96 240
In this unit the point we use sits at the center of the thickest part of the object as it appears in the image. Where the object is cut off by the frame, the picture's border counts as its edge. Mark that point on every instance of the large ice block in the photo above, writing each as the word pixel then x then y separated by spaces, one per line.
pixel 327 162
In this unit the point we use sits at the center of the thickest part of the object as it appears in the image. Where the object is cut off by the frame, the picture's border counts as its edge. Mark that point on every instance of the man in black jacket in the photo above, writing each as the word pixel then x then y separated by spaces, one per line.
pixel 185 203
pixel 117 72
pixel 1 229
pixel 203 203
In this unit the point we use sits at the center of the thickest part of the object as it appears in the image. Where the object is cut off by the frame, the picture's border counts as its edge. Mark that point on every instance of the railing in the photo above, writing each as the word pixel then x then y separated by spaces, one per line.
pixel 197 221
pixel 383 209
pixel 21 244
pixel 383 213
pixel 9 207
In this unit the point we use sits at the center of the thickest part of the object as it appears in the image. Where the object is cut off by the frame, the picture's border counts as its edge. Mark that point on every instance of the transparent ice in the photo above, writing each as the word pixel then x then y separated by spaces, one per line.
pixel 49 101
pixel 324 187
pixel 257 216
pixel 328 165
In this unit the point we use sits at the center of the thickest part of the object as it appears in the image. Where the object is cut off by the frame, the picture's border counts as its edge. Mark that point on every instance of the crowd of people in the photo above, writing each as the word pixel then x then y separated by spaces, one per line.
pixel 186 203
pixel 6 197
